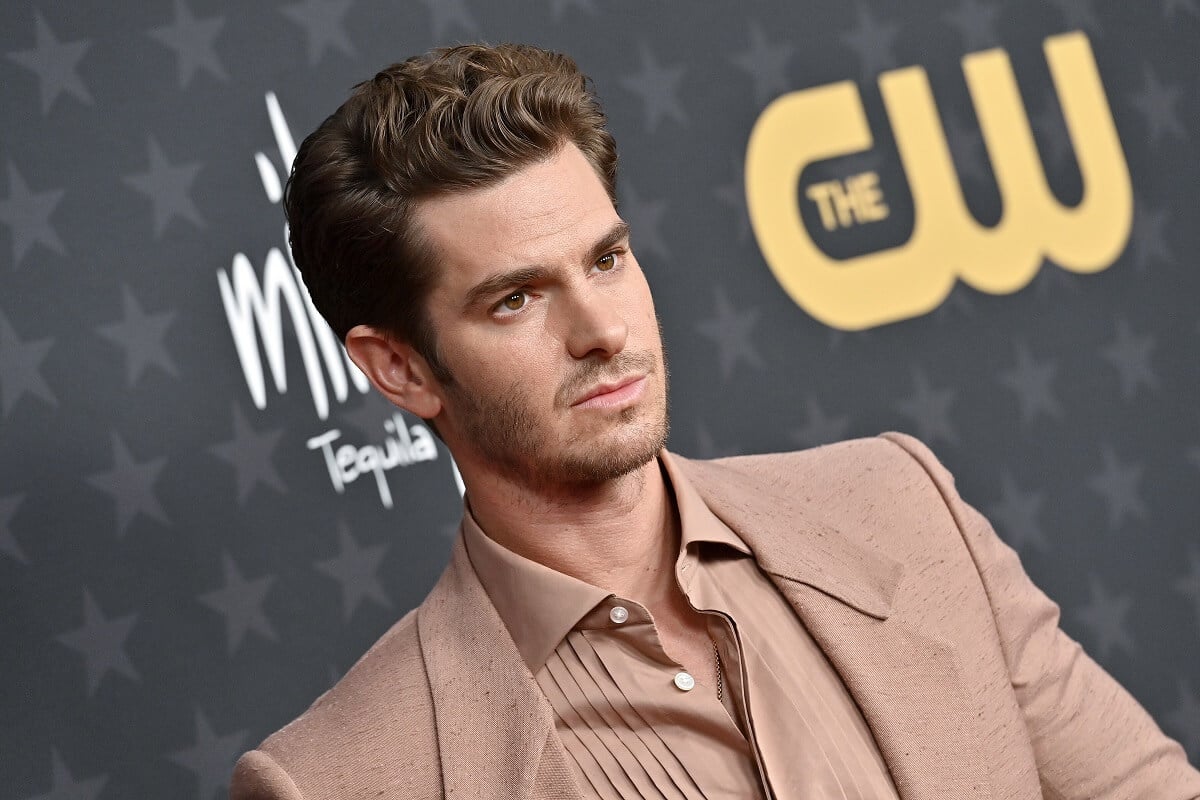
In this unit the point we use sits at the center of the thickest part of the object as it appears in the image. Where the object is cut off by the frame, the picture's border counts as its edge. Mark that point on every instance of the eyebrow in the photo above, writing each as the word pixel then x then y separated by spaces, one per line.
pixel 617 234
pixel 522 275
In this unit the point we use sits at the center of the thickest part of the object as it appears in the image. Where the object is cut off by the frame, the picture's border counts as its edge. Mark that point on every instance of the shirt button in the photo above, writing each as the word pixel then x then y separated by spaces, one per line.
pixel 684 681
pixel 618 614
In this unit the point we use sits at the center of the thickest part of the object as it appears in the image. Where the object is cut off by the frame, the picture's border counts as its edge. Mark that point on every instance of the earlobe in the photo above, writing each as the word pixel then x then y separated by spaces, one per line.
pixel 395 368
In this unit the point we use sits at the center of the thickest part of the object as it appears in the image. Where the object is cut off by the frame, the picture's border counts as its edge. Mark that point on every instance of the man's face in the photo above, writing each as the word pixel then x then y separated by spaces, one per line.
pixel 545 321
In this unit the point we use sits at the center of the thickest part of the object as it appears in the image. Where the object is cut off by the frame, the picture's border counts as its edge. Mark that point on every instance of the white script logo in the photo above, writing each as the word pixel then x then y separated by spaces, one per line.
pixel 404 445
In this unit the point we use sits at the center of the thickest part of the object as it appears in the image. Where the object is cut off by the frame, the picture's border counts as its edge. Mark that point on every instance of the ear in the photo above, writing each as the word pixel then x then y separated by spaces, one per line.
pixel 396 369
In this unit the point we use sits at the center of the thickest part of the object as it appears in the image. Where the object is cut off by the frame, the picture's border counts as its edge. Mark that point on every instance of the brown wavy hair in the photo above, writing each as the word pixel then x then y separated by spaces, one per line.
pixel 454 119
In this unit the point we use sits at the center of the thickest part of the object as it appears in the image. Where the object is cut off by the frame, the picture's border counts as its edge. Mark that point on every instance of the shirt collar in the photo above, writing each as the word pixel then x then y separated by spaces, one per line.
pixel 539 605
pixel 696 522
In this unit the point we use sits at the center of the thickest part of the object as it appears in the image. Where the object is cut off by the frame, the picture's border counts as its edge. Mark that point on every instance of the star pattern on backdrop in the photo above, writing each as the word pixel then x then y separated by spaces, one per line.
pixel 1017 515
pixel 873 41
pixel 101 642
pixel 168 187
pixel 658 89
pixel 1157 102
pixel 929 409
pixel 733 196
pixel 240 602
pixel 1148 238
pixel 193 42
pixel 1080 14
pixel 1183 722
pixel 819 428
pixel 211 757
pixel 766 64
pixel 113 314
pixel 27 215
pixel 21 368
pixel 1105 617
pixel 1189 585
pixel 356 570
pixel 448 15
pixel 559 7
pixel 1033 383
pixel 730 331
pixel 644 217
pixel 324 26
pixel 64 786
pixel 142 337
pixel 976 23
pixel 130 484
pixel 8 539
pixel 1118 483
pixel 250 454
pixel 1130 355
pixel 55 63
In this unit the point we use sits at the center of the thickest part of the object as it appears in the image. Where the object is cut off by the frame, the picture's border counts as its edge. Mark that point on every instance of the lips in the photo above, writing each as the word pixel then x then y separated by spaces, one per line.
pixel 612 392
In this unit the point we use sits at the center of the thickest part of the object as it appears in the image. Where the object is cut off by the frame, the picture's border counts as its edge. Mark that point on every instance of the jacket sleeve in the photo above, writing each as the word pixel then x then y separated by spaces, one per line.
pixel 257 776
pixel 1092 740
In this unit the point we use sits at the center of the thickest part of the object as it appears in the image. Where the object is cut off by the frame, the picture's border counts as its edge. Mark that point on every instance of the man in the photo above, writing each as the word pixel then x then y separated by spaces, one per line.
pixel 618 621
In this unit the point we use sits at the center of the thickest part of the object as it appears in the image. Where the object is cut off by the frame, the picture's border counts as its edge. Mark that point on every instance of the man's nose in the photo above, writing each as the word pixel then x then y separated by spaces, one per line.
pixel 595 327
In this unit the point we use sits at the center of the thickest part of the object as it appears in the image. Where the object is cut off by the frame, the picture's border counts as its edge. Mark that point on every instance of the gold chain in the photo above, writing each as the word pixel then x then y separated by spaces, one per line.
pixel 717 656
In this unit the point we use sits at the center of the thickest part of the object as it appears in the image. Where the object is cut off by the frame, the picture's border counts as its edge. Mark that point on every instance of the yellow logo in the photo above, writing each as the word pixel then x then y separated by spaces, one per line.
pixel 947 243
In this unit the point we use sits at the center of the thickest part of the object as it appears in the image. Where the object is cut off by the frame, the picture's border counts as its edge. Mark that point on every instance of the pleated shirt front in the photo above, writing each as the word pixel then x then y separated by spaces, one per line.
pixel 632 727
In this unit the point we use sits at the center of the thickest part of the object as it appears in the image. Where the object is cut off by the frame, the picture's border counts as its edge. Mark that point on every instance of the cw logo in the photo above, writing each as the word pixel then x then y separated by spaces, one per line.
pixel 802 127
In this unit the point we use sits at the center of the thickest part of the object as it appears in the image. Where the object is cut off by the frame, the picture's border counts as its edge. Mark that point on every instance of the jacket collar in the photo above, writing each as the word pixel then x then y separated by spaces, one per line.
pixel 788 542
pixel 873 626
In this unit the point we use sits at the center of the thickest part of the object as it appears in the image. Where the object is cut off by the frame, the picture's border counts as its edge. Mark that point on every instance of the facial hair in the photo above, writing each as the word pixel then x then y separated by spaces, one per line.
pixel 505 430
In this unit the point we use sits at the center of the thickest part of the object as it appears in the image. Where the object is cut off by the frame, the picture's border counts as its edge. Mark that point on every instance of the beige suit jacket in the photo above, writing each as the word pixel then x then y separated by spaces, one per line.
pixel 954 656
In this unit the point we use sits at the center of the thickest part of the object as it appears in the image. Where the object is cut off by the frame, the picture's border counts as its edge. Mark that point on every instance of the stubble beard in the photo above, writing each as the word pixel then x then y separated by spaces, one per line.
pixel 504 430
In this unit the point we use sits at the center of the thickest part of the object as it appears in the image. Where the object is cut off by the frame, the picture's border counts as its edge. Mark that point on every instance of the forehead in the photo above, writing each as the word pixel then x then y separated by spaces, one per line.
pixel 544 214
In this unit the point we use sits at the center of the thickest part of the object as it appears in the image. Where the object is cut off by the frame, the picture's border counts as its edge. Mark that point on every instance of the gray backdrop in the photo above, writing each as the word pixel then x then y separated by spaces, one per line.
pixel 179 574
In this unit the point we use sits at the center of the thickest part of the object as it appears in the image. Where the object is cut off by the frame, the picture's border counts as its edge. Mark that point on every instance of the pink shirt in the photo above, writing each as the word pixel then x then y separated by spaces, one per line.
pixel 632 727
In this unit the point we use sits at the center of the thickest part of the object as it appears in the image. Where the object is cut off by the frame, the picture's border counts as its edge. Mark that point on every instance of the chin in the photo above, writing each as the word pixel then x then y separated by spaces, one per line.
pixel 623 452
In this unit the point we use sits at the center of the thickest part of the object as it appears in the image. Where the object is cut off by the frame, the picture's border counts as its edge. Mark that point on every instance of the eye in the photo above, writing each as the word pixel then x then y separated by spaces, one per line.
pixel 513 302
pixel 606 262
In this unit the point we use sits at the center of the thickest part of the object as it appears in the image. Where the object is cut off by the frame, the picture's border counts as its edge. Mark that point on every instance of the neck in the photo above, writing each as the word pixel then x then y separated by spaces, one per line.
pixel 621 535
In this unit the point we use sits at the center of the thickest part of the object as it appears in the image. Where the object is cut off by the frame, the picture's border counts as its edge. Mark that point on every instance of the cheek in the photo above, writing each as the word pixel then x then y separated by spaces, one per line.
pixel 519 362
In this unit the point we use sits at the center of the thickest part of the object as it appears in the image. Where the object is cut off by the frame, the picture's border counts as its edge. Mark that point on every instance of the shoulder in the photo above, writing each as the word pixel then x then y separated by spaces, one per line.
pixel 371 734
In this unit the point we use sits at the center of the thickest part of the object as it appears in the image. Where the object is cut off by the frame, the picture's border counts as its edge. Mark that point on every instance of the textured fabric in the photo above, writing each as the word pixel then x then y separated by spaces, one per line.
pixel 951 653
pixel 788 720
pixel 334 750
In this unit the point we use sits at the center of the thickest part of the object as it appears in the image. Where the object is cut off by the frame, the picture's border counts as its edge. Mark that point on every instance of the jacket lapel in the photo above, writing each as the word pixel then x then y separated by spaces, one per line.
pixel 852 599
pixel 495 731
